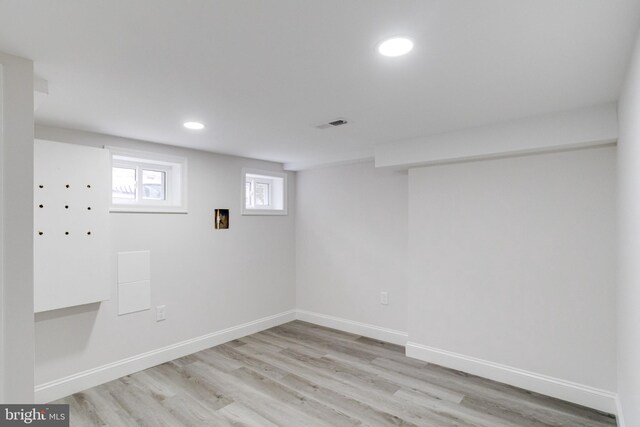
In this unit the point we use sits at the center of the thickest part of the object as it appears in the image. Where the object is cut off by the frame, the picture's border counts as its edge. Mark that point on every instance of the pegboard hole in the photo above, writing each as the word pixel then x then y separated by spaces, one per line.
pixel 88 233
pixel 67 185
pixel 66 233
pixel 40 233
pixel 89 208
pixel 66 206
pixel 41 186
pixel 88 185
pixel 41 206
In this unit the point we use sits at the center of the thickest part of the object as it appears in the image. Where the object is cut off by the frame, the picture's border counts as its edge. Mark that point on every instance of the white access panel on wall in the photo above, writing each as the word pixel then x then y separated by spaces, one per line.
pixel 134 281
pixel 71 225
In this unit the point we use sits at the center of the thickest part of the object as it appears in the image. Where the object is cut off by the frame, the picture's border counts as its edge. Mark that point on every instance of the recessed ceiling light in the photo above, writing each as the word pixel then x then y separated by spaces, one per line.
pixel 193 125
pixel 396 46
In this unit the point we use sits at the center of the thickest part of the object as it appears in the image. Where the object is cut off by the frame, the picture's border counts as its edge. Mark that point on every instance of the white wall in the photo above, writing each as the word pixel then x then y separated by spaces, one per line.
pixel 629 244
pixel 16 219
pixel 351 238
pixel 584 127
pixel 209 279
pixel 2 346
pixel 512 261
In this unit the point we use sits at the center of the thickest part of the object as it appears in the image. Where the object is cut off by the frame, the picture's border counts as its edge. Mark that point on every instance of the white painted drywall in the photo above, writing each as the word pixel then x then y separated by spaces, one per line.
pixel 351 236
pixel 71 209
pixel 208 279
pixel 16 219
pixel 551 132
pixel 512 261
pixel 629 244
pixel 2 346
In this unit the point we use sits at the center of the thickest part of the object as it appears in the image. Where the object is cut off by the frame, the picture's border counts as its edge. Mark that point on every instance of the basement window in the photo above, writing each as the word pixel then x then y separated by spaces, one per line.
pixel 264 192
pixel 147 182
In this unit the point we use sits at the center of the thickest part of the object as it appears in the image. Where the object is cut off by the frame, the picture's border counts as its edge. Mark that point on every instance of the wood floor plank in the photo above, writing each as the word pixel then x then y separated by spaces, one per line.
pixel 194 412
pixel 353 384
pixel 144 409
pixel 268 406
pixel 401 380
pixel 247 359
pixel 282 393
pixel 264 342
pixel 245 416
pixel 300 374
pixel 461 413
pixel 294 344
pixel 193 387
pixel 357 348
pixel 367 414
pixel 85 410
pixel 106 408
pixel 544 409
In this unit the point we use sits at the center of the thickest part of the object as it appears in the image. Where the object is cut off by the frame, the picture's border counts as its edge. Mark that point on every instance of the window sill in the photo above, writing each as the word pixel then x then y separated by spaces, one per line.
pixel 148 209
pixel 264 212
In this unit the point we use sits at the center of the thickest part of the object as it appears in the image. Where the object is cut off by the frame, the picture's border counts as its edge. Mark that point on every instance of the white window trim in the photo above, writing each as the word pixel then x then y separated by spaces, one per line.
pixel 158 162
pixel 283 176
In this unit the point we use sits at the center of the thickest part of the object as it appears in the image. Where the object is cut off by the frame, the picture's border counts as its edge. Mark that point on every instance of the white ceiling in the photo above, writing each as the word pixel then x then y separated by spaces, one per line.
pixel 261 74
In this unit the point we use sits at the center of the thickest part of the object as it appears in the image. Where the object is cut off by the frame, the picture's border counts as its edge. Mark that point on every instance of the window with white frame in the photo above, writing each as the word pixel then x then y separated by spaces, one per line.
pixel 264 192
pixel 147 182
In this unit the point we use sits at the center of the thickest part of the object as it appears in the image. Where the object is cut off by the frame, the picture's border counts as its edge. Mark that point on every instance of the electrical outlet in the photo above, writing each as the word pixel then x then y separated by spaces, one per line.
pixel 161 313
pixel 384 298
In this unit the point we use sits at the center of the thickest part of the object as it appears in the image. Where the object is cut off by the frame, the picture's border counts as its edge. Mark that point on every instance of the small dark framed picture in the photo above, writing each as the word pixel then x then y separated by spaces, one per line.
pixel 221 219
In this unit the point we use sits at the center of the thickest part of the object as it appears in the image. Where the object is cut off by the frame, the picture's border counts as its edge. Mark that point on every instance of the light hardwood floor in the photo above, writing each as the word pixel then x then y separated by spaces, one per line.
pixel 301 374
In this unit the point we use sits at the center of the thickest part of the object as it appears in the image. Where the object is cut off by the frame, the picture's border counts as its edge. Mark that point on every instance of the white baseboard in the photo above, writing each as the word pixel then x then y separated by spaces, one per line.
pixel 66 386
pixel 358 328
pixel 619 413
pixel 577 393
pixel 591 397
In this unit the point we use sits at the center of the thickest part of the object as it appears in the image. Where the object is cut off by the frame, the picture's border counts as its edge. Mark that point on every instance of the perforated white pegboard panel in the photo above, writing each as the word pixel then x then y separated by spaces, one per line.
pixel 71 225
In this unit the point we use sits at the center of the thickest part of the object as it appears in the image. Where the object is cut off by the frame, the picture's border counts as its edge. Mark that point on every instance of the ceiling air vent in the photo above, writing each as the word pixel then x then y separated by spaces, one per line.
pixel 335 123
